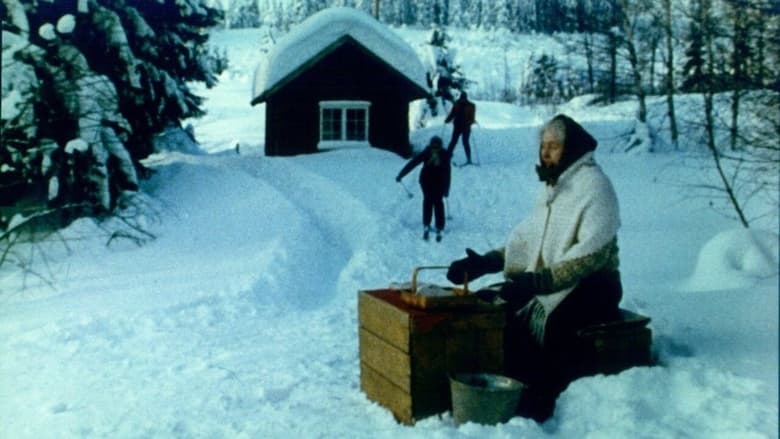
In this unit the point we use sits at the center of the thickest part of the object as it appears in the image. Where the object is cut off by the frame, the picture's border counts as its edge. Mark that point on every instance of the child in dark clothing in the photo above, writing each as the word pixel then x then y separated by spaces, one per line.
pixel 434 181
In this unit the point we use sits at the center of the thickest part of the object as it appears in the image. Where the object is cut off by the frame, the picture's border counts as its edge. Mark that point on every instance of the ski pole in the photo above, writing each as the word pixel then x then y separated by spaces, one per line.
pixel 409 193
pixel 474 146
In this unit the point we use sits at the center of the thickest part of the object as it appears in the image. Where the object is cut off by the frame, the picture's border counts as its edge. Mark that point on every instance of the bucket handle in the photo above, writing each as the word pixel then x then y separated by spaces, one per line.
pixel 457 291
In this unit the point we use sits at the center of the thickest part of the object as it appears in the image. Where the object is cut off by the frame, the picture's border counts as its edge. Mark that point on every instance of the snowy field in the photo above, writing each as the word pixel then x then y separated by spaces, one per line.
pixel 240 319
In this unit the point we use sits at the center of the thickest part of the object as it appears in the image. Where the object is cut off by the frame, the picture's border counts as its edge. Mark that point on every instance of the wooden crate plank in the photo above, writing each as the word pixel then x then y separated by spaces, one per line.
pixel 627 321
pixel 394 364
pixel 635 340
pixel 618 351
pixel 448 321
pixel 477 321
pixel 406 407
pixel 425 367
pixel 385 309
pixel 617 362
pixel 461 352
pixel 426 353
pixel 431 401
pixel 430 382
pixel 378 389
pixel 476 351
pixel 490 350
pixel 382 317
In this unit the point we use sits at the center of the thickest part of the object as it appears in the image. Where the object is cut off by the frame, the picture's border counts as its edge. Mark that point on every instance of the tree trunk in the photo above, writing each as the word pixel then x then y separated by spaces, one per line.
pixel 612 92
pixel 653 52
pixel 759 76
pixel 709 119
pixel 670 86
pixel 740 57
pixel 587 39
pixel 633 59
pixel 709 116
pixel 640 90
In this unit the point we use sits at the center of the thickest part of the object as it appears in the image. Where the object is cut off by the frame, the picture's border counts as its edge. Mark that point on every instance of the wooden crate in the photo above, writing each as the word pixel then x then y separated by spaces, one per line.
pixel 406 353
pixel 615 346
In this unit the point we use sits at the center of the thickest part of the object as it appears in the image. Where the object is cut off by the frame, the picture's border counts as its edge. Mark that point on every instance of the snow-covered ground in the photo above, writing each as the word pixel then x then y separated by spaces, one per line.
pixel 240 319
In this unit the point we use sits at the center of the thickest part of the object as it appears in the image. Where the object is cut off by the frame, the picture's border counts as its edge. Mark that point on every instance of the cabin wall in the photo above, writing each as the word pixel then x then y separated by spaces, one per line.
pixel 348 72
pixel 292 125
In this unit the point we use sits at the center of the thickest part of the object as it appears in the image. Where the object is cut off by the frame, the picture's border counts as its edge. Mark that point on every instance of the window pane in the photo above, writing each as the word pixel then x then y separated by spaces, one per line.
pixel 356 124
pixel 331 124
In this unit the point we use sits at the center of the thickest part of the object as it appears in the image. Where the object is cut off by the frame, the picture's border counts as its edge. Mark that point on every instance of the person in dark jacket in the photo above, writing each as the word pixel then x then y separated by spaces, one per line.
pixel 434 182
pixel 462 115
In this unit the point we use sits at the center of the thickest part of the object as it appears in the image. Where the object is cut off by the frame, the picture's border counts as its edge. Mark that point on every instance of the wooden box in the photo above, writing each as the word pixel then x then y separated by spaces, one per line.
pixel 615 346
pixel 406 353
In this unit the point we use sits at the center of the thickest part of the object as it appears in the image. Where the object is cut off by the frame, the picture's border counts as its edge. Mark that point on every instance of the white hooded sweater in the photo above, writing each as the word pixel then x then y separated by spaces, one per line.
pixel 571 220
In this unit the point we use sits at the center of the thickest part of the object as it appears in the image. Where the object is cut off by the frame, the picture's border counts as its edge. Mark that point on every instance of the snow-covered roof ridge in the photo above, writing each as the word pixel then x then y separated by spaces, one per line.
pixel 319 31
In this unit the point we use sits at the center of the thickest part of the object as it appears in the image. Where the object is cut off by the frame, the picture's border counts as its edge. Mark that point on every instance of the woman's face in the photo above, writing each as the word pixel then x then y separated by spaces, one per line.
pixel 551 149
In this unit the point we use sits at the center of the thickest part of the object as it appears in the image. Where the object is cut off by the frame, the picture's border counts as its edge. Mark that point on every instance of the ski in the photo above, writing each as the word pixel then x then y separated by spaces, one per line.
pixel 427 238
pixel 427 235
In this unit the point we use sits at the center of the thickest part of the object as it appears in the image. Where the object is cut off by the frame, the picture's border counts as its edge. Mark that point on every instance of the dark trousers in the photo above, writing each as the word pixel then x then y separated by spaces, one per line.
pixel 465 132
pixel 433 205
pixel 596 299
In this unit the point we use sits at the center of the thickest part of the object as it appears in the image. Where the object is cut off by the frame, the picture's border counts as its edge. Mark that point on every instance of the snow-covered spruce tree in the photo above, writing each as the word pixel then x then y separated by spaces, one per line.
pixel 60 150
pixel 21 155
pixel 542 85
pixel 445 78
pixel 87 84
pixel 244 14
pixel 150 50
pixel 694 58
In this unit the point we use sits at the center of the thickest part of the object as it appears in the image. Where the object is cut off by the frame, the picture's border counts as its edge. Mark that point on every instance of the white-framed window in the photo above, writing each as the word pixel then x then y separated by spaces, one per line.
pixel 344 123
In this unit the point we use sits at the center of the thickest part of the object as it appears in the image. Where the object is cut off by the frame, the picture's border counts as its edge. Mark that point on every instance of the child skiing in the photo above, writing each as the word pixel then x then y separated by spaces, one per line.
pixel 434 182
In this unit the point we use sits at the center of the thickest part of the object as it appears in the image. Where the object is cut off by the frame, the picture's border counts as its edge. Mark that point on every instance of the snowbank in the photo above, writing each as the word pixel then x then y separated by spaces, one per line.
pixel 735 259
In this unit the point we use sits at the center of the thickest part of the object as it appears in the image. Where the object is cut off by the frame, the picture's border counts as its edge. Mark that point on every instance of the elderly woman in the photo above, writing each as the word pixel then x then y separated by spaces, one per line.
pixel 561 263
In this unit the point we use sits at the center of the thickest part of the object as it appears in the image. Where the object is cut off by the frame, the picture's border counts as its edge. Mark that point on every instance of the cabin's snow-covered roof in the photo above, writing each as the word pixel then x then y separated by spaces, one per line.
pixel 319 31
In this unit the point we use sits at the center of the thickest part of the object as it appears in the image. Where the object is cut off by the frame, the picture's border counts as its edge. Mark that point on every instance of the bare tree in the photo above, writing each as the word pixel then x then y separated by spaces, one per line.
pixel 743 184
pixel 740 55
pixel 630 13
pixel 707 23
pixel 30 239
pixel 670 85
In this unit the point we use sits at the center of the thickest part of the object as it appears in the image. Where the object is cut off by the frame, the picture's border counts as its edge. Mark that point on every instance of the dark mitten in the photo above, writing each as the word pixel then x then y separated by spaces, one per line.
pixel 522 287
pixel 487 295
pixel 473 266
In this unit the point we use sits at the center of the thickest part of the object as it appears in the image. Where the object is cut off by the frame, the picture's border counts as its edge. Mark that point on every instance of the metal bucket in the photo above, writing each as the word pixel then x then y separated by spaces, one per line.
pixel 484 398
